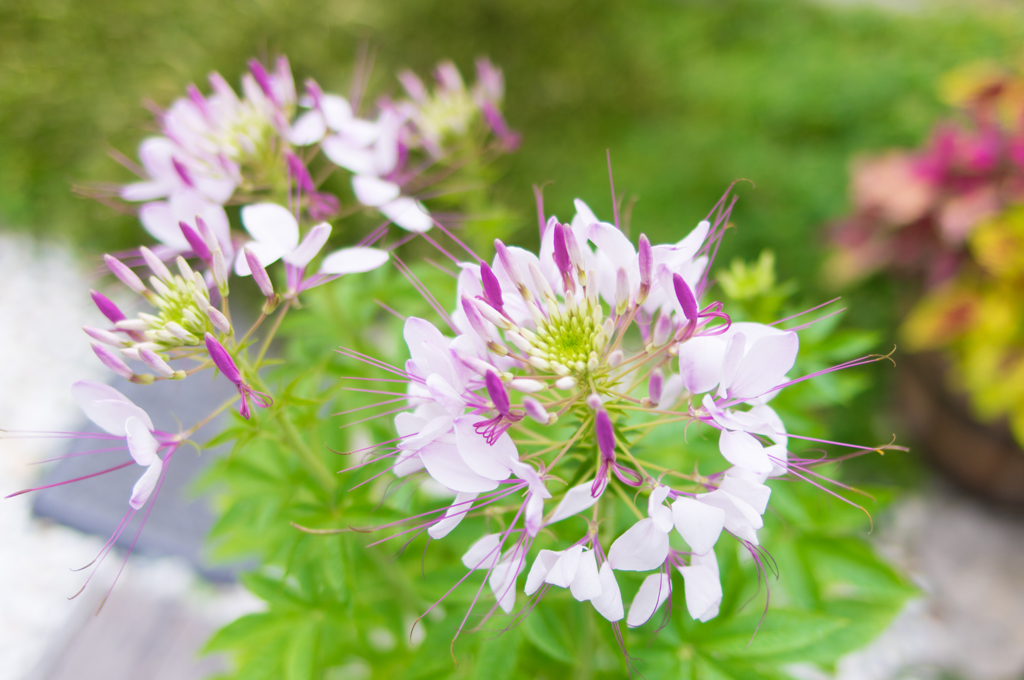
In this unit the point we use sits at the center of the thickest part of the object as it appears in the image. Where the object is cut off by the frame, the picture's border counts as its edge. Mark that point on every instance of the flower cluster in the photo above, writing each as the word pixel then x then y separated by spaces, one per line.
pixel 952 216
pixel 557 365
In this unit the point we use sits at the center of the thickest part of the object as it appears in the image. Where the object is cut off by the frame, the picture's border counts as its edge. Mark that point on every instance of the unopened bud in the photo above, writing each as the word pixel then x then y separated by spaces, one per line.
pixel 155 264
pixel 497 393
pixel 526 385
pixel 218 319
pixel 655 384
pixel 566 383
pixel 106 307
pixel 127 276
pixel 106 337
pixel 112 361
pixel 195 241
pixel 645 260
pixel 153 360
pixel 536 410
pixel 685 297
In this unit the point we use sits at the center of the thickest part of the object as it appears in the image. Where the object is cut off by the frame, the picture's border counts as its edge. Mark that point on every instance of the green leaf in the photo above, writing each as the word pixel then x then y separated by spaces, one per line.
pixel 545 632
pixel 301 652
pixel 496 658
pixel 247 630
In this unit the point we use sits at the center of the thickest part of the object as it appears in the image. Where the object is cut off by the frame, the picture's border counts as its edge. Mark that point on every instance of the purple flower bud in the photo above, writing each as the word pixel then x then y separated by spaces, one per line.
pixel 509 264
pixel 223 360
pixel 645 258
pixel 314 92
pixel 218 319
pixel 262 79
pixel 112 361
pixel 492 289
pixel 496 391
pixel 562 260
pixel 183 172
pixel 207 234
pixel 123 272
pixel 155 264
pixel 536 410
pixel 195 241
pixel 605 436
pixel 106 307
pixel 655 384
pixel 685 297
pixel 153 360
pixel 299 172
pixel 323 205
pixel 199 100
pixel 476 321
pixel 662 330
pixel 594 401
pixel 106 337
pixel 259 273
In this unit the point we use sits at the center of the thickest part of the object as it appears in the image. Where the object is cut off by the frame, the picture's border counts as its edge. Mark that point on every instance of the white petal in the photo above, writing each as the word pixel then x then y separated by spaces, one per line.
pixel 584 216
pixel 336 109
pixel 753 494
pixel 143 488
pixel 484 553
pixel 700 363
pixel 643 547
pixel 144 191
pixel 670 393
pixel 353 158
pixel 374 191
pixel 703 588
pixel 699 524
pixel 652 594
pixel 444 464
pixel 533 516
pixel 539 571
pixel 309 128
pixel 586 585
pixel 740 448
pixel 563 571
pixel 577 499
pixel 503 578
pixel 266 253
pixel 764 366
pixel 609 603
pixel 740 519
pixel 353 260
pixel 310 246
pixel 141 443
pixel 460 506
pixel 656 509
pixel 160 221
pixel 272 224
pixel 409 214
pixel 107 407
pixel 493 461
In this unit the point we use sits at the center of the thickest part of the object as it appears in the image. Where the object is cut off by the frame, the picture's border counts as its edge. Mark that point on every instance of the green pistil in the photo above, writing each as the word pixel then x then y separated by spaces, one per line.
pixel 177 305
pixel 572 340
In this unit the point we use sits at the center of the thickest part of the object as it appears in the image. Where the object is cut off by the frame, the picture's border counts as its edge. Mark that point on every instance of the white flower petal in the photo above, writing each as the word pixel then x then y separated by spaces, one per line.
pixel 462 504
pixel 753 494
pixel 493 461
pixel 563 571
pixel 576 500
pixel 699 524
pixel 336 110
pixel 652 594
pixel 345 153
pixel 141 443
pixel 310 246
pixel 764 366
pixel 409 214
pixel 143 488
pixel 656 509
pixel 484 553
pixel 272 224
pixel 740 448
pixel 586 585
pixel 641 548
pixel 444 464
pixel 609 603
pixel 702 587
pixel 700 363
pixel 503 578
pixel 353 260
pixel 309 128
pixel 539 571
pixel 374 191
pixel 266 253
pixel 107 407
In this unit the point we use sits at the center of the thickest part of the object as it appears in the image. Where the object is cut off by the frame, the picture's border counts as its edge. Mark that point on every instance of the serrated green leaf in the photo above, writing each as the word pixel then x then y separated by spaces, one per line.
pixel 247 630
pixel 301 652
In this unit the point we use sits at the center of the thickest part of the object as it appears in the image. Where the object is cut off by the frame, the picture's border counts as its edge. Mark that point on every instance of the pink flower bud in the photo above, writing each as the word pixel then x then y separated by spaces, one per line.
pixel 476 321
pixel 106 337
pixel 106 307
pixel 492 289
pixel 195 241
pixel 496 391
pixel 662 330
pixel 536 410
pixel 112 361
pixel 153 360
pixel 685 297
pixel 123 272
pixel 155 265
pixel 645 259
pixel 259 273
pixel 222 360
pixel 562 260
pixel 219 320
pixel 655 384
pixel 605 435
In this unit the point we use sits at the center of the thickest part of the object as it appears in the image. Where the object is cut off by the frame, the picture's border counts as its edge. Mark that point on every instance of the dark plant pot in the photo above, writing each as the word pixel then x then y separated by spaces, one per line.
pixel 980 458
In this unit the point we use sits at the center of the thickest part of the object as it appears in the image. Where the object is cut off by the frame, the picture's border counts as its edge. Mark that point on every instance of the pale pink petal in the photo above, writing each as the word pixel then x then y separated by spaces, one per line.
pixel 160 221
pixel 652 594
pixel 462 504
pixel 272 224
pixel 764 366
pixel 533 515
pixel 643 547
pixel 310 246
pixel 409 214
pixel 586 584
pixel 577 499
pixel 309 128
pixel 266 253
pixel 503 578
pixel 374 191
pixel 539 571
pixel 444 464
pixel 699 524
pixel 609 603
pixel 143 488
pixel 337 111
pixel 740 519
pixel 484 553
pixel 493 461
pixel 753 494
pixel 670 393
pixel 702 587
pixel 740 448
pixel 141 443
pixel 656 509
pixel 107 407
pixel 563 571
pixel 353 260
pixel 700 363
pixel 584 216
pixel 352 157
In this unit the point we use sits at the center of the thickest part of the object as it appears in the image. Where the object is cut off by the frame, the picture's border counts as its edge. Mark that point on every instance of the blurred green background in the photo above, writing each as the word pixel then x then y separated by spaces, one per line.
pixel 688 95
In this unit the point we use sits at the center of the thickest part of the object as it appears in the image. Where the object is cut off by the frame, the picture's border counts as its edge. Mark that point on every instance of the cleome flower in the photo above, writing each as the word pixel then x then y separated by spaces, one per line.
pixel 533 411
